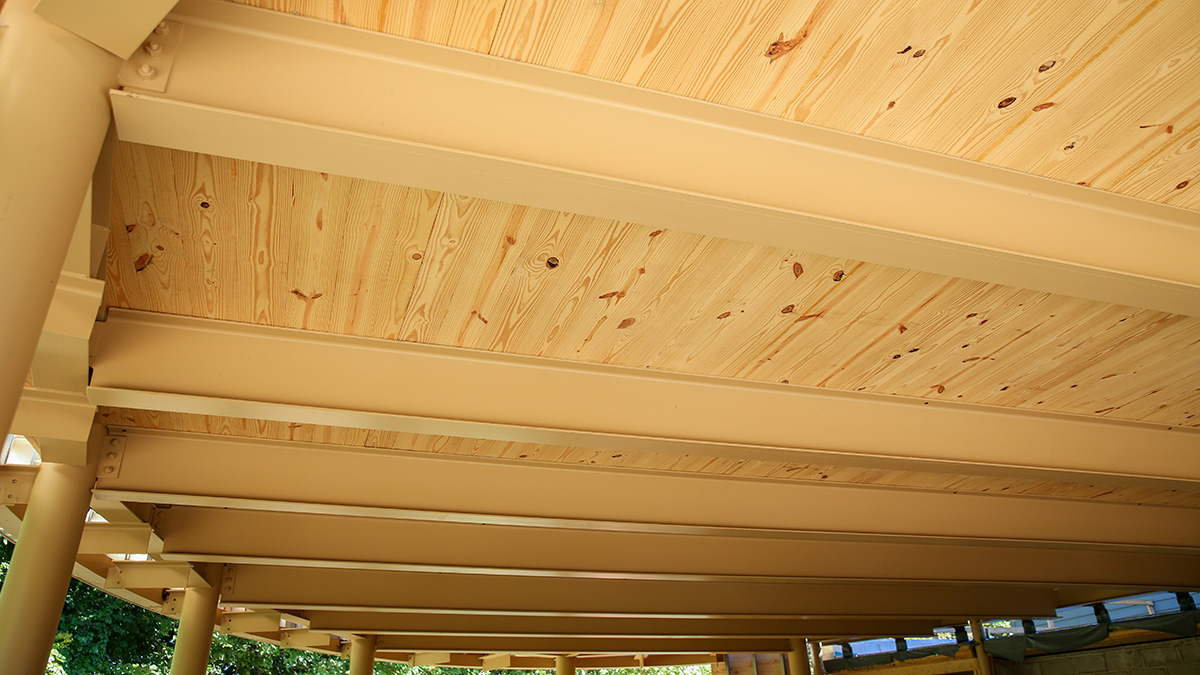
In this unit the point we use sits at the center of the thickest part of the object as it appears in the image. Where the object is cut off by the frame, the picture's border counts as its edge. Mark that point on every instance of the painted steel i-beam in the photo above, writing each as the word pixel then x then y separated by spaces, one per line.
pixel 374 106
pixel 249 371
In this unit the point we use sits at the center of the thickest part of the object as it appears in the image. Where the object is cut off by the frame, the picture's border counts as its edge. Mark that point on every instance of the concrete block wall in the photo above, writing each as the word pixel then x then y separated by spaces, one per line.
pixel 1168 657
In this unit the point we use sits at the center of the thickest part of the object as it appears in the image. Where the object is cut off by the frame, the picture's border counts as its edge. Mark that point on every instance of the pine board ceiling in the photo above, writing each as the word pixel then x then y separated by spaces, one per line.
pixel 1094 92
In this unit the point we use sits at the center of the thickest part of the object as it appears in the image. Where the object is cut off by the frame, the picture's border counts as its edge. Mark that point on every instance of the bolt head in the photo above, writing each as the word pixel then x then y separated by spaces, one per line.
pixel 146 71
pixel 153 48
pixel 114 442
pixel 109 469
pixel 162 28
pixel 112 455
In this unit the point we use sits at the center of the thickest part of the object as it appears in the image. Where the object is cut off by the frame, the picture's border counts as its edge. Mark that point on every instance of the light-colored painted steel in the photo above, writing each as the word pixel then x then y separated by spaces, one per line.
pixel 54 114
pixel 35 585
pixel 119 26
pixel 375 106
pixel 172 467
pixel 362 655
pixel 300 588
pixel 798 657
pixel 598 550
pixel 194 638
pixel 251 372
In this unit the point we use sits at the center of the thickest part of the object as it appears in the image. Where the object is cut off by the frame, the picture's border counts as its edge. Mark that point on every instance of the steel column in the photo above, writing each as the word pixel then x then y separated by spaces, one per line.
pixel 54 114
pixel 797 658
pixel 362 655
pixel 194 639
pixel 564 665
pixel 37 580
pixel 985 661
pixel 818 664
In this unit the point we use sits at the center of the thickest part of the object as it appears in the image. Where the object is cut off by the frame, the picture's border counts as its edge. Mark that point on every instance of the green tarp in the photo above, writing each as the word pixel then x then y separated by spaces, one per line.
pixel 1013 648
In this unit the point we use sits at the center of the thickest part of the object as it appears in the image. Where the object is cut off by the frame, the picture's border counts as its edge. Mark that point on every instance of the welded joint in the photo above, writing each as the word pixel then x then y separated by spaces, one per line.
pixel 15 485
pixel 149 68
pixel 110 457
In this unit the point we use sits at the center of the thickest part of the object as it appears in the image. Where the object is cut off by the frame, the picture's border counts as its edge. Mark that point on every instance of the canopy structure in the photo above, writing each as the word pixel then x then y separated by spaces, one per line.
pixel 532 334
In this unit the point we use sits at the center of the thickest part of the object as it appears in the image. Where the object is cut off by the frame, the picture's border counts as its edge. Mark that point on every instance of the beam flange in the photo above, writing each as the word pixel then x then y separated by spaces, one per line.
pixel 300 539
pixel 449 625
pixel 189 469
pixel 249 371
pixel 676 162
pixel 301 588
pixel 154 574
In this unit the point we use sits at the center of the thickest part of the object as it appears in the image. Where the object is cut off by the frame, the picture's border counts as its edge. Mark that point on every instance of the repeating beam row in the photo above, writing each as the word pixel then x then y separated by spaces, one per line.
pixel 260 537
pixel 297 589
pixel 666 162
pixel 565 626
pixel 251 372
pixel 204 470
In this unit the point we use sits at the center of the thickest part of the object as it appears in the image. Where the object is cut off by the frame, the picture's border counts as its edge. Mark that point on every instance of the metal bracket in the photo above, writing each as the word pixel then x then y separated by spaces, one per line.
pixel 228 577
pixel 150 66
pixel 172 603
pixel 111 456
pixel 15 484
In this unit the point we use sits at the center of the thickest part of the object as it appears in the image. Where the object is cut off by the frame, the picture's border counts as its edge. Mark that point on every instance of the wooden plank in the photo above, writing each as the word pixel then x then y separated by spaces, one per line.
pixel 926 74
pixel 209 236
pixel 310 433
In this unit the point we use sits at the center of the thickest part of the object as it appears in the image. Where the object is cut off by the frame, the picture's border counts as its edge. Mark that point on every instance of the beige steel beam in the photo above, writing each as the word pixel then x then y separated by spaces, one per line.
pixel 193 469
pixel 249 371
pixel 581 644
pixel 154 574
pixel 665 161
pixel 305 588
pixel 115 538
pixel 450 625
pixel 285 538
pixel 250 622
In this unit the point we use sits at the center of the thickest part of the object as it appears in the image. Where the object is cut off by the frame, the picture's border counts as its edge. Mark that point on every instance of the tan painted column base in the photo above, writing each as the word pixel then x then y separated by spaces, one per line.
pixel 564 665
pixel 40 572
pixel 362 655
pixel 798 659
pixel 194 639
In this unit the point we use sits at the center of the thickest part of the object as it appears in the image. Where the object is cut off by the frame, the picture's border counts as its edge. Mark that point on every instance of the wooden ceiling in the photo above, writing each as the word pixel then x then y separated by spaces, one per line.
pixel 1094 92
pixel 211 237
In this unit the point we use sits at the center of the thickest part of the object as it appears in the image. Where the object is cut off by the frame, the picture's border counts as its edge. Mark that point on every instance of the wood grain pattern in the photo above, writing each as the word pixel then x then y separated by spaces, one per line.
pixel 214 237
pixel 242 428
pixel 627 295
pixel 1097 92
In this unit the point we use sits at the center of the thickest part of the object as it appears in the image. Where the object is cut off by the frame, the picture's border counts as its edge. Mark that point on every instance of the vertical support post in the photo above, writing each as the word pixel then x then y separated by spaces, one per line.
pixel 362 654
pixel 817 662
pixel 564 665
pixel 54 113
pixel 194 638
pixel 797 659
pixel 40 572
pixel 985 661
